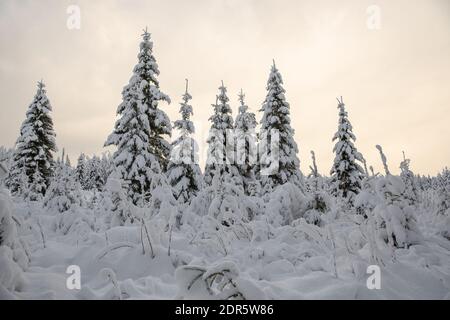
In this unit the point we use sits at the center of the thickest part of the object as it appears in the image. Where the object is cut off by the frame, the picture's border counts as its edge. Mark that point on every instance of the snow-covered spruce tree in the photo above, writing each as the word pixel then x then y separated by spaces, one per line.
pixel 7 226
pixel 63 193
pixel 318 199
pixel 394 217
pixel 366 200
pixel 278 159
pixel 443 178
pixel 220 159
pixel 95 174
pixel 68 163
pixel 33 154
pixel 106 165
pixel 246 148
pixel 183 172
pixel 409 180
pixel 140 130
pixel 314 181
pixel 6 156
pixel 115 201
pixel 80 170
pixel 346 173
pixel 443 191
pixel 90 173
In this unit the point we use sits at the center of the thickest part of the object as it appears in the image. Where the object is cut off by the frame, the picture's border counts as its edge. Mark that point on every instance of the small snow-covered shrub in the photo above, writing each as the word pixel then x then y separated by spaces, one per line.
pixel 226 206
pixel 64 191
pixel 12 260
pixel 394 216
pixel 11 273
pixel 443 198
pixel 8 231
pixel 224 216
pixel 162 204
pixel 322 246
pixel 367 199
pixel 7 226
pixel 213 236
pixel 407 176
pixel 318 204
pixel 77 222
pixel 287 203
pixel 115 202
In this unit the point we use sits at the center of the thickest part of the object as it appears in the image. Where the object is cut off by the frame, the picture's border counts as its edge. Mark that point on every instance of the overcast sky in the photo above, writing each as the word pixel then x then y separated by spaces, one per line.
pixel 395 79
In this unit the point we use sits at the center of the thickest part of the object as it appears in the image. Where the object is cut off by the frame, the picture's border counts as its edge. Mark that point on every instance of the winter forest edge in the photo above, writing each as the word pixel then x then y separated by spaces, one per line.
pixel 147 222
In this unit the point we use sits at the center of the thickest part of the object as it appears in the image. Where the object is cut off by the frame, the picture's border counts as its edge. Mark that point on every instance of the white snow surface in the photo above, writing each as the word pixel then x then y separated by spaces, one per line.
pixel 293 261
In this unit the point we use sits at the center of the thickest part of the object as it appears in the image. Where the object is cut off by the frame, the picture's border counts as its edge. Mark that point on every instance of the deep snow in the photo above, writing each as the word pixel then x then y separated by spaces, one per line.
pixel 299 261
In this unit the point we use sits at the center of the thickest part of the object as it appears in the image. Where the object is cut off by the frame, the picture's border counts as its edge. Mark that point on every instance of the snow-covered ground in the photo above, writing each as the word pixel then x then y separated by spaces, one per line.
pixel 295 261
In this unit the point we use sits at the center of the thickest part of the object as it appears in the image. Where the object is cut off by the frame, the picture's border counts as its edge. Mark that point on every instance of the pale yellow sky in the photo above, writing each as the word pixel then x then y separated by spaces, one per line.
pixel 395 80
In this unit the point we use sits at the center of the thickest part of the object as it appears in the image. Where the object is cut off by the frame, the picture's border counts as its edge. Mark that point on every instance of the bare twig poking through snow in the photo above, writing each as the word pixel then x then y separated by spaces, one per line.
pixel 144 228
pixel 365 166
pixel 42 232
pixel 333 251
pixel 314 171
pixel 170 239
pixel 220 281
pixel 16 221
pixel 222 243
pixel 372 172
pixel 111 276
pixel 142 239
pixel 25 249
pixel 368 232
pixel 383 159
pixel 114 246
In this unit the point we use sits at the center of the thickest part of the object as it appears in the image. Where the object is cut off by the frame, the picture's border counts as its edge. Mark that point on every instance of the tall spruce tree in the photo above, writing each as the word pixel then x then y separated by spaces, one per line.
pixel 139 133
pixel 33 162
pixel 183 171
pixel 346 173
pixel 278 159
pixel 221 151
pixel 246 153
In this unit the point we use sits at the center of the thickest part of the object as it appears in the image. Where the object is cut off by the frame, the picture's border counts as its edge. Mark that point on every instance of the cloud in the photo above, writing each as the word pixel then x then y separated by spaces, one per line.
pixel 392 79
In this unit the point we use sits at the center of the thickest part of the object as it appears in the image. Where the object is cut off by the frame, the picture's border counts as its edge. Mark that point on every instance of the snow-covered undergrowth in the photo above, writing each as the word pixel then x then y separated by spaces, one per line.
pixel 275 255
